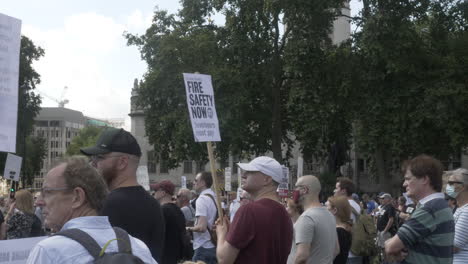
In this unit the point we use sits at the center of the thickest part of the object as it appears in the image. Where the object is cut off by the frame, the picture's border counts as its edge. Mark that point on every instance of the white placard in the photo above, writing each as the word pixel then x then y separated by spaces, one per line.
pixel 227 179
pixel 201 106
pixel 142 177
pixel 16 251
pixel 239 193
pixel 183 182
pixel 12 167
pixel 10 43
pixel 285 178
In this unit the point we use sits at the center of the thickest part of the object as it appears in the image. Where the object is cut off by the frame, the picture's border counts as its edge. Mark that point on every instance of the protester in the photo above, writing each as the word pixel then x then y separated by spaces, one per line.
pixel 345 187
pixel 294 209
pixel 340 208
pixel 183 201
pixel 385 221
pixel 73 194
pixel 457 187
pixel 453 183
pixel 261 231
pixel 315 237
pixel 205 216
pixel 128 206
pixel 404 211
pixel 175 222
pixel 20 219
pixel 426 237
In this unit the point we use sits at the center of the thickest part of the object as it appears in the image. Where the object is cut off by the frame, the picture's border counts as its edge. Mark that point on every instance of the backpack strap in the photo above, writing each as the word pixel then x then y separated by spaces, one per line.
pixel 123 240
pixel 84 239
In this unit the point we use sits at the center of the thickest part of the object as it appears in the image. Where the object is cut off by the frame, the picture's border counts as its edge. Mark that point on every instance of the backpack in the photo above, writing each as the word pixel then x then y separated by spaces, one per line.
pixel 124 255
pixel 364 234
pixel 213 236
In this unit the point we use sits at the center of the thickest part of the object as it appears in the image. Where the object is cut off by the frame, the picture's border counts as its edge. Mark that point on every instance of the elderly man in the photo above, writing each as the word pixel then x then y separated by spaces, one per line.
pixel 261 231
pixel 427 237
pixel 315 237
pixel 457 187
pixel 183 201
pixel 72 195
pixel 128 206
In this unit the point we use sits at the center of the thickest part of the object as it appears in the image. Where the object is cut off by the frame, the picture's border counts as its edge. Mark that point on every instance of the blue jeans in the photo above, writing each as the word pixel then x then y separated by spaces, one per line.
pixel 207 255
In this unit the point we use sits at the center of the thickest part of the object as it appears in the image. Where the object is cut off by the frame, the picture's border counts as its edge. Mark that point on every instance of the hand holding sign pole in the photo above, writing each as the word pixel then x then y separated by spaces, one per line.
pixel 204 120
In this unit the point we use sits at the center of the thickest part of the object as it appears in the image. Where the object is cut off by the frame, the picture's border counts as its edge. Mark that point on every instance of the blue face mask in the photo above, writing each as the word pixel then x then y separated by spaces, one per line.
pixel 450 191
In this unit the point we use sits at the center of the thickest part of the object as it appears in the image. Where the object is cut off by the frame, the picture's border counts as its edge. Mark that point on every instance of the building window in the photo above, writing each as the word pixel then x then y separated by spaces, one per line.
pixel 200 166
pixel 163 167
pixel 56 133
pixel 151 162
pixel 188 166
pixel 52 144
pixel 55 123
pixel 51 154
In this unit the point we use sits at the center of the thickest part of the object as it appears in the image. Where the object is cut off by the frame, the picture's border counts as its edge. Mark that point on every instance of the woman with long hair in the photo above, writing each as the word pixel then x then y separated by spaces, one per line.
pixel 21 220
pixel 340 208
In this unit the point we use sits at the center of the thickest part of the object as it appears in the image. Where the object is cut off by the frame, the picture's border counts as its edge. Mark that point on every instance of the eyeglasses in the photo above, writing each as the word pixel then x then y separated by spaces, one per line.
pixel 454 182
pixel 47 191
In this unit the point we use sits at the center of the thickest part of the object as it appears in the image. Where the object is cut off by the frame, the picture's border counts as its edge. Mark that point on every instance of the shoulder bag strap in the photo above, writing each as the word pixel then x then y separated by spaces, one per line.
pixel 123 240
pixel 84 239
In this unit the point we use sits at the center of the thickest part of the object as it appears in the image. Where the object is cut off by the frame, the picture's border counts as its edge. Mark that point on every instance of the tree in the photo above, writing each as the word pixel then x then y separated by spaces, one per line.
pixel 86 137
pixel 413 92
pixel 247 60
pixel 28 101
pixel 36 148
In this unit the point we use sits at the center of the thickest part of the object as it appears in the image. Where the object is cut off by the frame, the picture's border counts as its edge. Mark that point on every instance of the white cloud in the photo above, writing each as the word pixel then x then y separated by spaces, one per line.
pixel 88 54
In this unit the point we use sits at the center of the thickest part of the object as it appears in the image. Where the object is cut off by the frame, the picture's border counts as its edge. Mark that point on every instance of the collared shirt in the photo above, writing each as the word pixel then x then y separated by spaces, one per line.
pixel 204 207
pixel 431 197
pixel 63 250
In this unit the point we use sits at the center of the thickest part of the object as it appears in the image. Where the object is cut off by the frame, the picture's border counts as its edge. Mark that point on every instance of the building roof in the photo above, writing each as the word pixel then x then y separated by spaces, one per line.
pixel 59 113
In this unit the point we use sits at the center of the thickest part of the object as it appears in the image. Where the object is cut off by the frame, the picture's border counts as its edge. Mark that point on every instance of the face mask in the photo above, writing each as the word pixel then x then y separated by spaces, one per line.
pixel 450 191
pixel 296 195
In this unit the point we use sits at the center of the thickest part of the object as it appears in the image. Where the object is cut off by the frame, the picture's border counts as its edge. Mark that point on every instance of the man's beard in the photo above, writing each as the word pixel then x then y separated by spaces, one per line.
pixel 109 174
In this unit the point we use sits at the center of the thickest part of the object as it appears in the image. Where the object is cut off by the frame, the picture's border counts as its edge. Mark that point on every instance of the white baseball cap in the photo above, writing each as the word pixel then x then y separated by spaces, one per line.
pixel 265 165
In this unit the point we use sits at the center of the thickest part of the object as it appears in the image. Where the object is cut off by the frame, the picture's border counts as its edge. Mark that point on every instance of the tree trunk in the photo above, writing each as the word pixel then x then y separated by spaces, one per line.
pixel 276 133
pixel 382 169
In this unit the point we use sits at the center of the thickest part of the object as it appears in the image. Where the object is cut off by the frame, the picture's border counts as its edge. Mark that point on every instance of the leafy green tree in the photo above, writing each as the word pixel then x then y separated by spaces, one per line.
pixel 28 101
pixel 413 92
pixel 36 148
pixel 249 65
pixel 86 137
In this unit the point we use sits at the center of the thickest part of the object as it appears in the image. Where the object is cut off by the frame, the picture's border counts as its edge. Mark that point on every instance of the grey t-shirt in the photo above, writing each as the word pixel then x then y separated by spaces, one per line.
pixel 189 213
pixel 316 226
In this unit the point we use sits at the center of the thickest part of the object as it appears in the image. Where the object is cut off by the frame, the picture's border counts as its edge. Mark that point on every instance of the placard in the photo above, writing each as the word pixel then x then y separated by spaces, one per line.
pixel 227 179
pixel 12 167
pixel 10 43
pixel 183 182
pixel 201 107
pixel 283 188
pixel 142 177
pixel 16 251
pixel 300 167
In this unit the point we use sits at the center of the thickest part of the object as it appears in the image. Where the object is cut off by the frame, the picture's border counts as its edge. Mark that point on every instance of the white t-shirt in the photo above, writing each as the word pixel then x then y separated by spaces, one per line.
pixel 316 226
pixel 204 207
pixel 235 204
pixel 353 217
pixel 461 235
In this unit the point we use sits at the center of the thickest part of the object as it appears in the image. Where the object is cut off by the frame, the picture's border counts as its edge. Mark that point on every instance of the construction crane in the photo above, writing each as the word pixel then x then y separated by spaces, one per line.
pixel 61 102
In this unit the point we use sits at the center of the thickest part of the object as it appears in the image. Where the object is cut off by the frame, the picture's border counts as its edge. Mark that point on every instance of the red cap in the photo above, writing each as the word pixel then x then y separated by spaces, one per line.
pixel 165 185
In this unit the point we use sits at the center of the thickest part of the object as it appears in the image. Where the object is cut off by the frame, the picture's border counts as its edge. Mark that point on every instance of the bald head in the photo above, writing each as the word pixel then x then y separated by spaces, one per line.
pixel 312 183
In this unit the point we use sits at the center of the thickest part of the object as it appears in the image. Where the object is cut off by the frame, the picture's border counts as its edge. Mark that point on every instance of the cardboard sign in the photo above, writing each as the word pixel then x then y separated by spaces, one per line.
pixel 201 106
pixel 10 43
pixel 227 179
pixel 16 251
pixel 183 182
pixel 12 167
pixel 283 188
pixel 142 177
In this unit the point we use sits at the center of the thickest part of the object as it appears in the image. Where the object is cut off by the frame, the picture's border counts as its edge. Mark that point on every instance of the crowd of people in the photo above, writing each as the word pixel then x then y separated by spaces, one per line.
pixel 89 201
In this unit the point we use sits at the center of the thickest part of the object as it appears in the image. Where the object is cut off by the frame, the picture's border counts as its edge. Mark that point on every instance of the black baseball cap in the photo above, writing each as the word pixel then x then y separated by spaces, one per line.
pixel 114 140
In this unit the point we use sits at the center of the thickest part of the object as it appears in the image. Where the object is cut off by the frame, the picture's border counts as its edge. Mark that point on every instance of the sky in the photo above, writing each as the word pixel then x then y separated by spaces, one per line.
pixel 85 49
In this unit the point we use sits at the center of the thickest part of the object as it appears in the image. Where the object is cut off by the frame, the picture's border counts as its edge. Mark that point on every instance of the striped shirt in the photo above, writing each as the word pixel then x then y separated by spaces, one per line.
pixel 429 233
pixel 461 235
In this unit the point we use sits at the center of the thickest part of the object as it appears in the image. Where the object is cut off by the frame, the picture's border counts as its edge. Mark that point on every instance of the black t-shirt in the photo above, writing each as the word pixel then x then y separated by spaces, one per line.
pixel 138 213
pixel 175 228
pixel 344 239
pixel 387 211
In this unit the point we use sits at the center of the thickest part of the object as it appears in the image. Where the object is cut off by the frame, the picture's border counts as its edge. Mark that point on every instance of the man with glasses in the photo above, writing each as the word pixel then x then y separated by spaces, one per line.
pixel 457 189
pixel 261 231
pixel 426 237
pixel 116 156
pixel 72 196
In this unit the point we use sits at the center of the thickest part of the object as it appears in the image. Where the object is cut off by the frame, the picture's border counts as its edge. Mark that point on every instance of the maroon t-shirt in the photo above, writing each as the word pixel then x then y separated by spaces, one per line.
pixel 263 233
